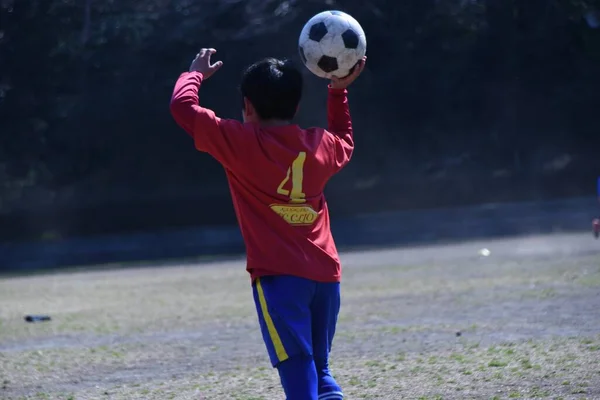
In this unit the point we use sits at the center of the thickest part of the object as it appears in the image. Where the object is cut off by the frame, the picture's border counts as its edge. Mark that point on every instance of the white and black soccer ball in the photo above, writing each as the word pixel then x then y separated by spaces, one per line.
pixel 331 43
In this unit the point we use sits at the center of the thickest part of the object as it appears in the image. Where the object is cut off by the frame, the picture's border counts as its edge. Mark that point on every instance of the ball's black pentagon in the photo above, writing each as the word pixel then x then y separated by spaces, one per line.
pixel 317 31
pixel 350 39
pixel 328 64
pixel 335 12
pixel 302 55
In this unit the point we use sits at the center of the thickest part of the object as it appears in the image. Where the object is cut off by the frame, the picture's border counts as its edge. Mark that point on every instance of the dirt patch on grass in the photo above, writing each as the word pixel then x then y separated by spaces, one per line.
pixel 440 322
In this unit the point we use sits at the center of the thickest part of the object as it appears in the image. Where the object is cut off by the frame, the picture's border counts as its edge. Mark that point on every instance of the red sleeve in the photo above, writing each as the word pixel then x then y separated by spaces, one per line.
pixel 218 137
pixel 340 125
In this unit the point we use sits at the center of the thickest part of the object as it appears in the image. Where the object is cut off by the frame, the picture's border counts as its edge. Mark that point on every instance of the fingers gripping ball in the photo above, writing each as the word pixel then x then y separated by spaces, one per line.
pixel 331 43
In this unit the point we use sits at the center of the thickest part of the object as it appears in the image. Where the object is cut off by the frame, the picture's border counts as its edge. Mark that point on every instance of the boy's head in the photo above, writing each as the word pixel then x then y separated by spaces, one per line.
pixel 271 89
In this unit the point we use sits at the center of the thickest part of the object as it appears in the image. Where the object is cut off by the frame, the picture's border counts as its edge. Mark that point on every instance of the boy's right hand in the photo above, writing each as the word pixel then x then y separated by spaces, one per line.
pixel 343 83
pixel 202 63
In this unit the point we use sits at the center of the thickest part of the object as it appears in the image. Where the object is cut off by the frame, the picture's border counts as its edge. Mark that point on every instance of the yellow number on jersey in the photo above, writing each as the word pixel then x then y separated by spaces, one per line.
pixel 297 172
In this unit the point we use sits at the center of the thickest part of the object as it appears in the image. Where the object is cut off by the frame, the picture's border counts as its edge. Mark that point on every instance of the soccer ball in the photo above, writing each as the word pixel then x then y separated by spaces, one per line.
pixel 331 43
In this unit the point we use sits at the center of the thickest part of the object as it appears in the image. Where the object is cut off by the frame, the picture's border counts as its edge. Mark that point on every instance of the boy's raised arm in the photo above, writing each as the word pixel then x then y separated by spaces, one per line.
pixel 340 125
pixel 338 116
pixel 211 134
pixel 184 101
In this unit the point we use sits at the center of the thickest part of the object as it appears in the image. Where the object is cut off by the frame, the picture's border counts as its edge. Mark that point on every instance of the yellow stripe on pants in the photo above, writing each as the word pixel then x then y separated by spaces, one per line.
pixel 279 349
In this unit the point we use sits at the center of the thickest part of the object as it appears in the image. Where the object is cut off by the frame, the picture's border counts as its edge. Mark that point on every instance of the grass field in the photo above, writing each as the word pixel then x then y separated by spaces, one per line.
pixel 439 322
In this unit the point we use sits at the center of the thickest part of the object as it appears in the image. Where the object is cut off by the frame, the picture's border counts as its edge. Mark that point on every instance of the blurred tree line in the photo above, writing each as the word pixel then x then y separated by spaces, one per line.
pixel 463 101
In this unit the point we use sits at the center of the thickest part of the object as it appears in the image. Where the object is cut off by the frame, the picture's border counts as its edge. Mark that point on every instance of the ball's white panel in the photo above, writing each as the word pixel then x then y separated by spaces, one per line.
pixel 354 24
pixel 336 24
pixel 320 16
pixel 340 73
pixel 304 34
pixel 347 58
pixel 332 44
pixel 318 72
pixel 361 50
pixel 313 53
pixel 311 49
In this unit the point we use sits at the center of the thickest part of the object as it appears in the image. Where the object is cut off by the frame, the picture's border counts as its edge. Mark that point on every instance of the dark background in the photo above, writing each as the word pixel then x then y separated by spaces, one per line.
pixel 462 102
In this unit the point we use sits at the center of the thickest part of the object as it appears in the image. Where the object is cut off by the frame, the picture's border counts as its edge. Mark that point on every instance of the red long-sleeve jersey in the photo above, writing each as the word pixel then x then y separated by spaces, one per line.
pixel 276 176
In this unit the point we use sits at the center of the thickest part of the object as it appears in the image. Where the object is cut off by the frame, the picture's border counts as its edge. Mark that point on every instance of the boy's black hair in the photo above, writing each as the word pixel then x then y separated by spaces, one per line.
pixel 274 87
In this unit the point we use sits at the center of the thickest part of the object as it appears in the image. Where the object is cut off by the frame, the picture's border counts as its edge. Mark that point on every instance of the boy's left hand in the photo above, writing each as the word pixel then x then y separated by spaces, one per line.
pixel 202 63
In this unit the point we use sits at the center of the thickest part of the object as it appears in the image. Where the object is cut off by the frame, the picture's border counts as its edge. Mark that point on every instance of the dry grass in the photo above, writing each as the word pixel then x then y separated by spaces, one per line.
pixel 527 317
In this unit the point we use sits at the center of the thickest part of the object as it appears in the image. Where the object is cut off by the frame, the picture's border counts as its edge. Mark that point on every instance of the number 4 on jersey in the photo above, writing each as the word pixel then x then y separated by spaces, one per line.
pixel 297 173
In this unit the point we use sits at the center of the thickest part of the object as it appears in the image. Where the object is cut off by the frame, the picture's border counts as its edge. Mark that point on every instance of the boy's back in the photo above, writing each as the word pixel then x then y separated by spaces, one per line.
pixel 277 174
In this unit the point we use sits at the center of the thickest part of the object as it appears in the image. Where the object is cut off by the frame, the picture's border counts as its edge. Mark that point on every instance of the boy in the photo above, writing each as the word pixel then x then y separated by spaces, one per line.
pixel 277 172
